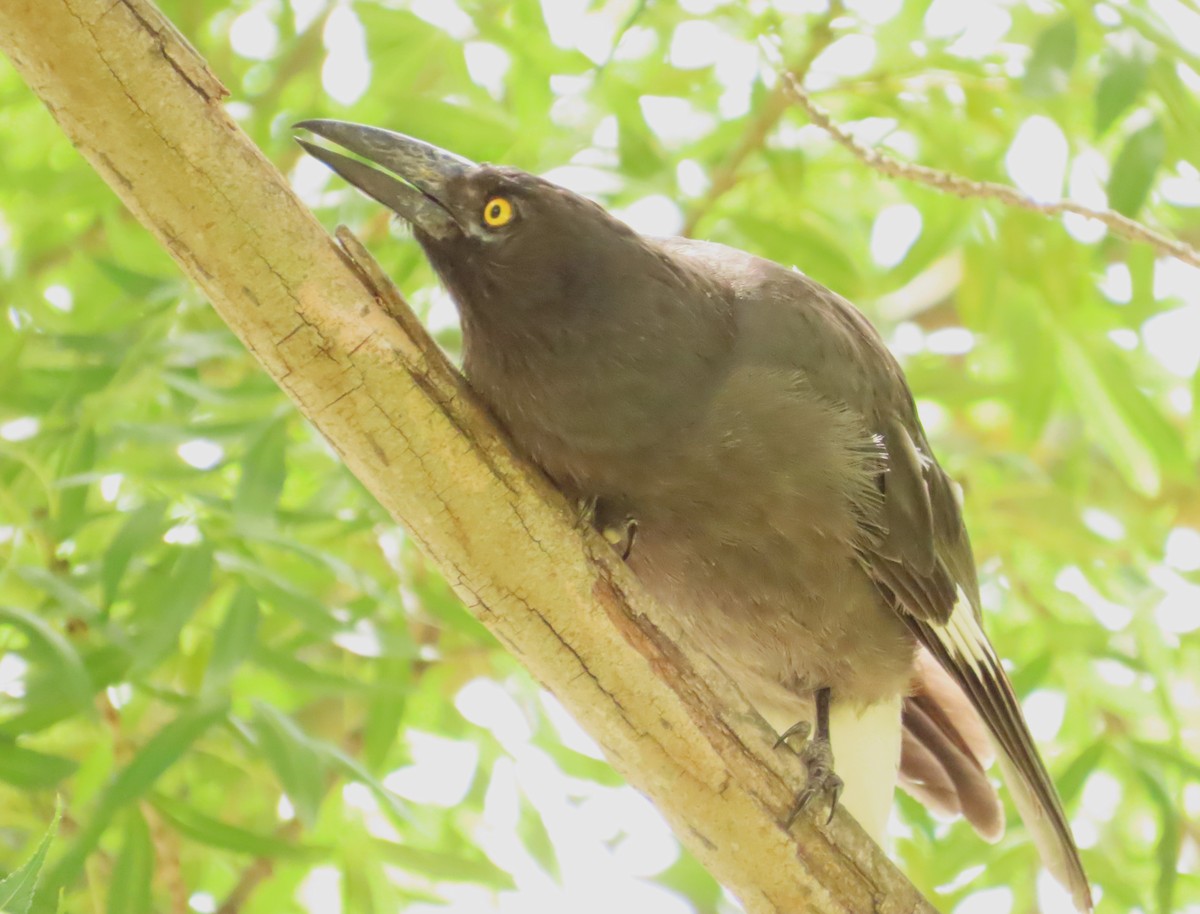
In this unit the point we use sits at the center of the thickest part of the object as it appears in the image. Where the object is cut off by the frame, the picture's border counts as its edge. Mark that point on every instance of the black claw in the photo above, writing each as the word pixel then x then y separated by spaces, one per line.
pixel 802 729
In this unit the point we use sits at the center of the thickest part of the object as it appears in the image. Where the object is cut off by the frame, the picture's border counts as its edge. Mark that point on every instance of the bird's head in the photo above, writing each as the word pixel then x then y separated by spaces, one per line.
pixel 502 240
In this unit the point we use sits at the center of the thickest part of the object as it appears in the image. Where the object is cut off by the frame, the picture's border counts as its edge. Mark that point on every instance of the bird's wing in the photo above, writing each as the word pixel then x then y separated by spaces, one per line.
pixel 918 553
pixel 914 544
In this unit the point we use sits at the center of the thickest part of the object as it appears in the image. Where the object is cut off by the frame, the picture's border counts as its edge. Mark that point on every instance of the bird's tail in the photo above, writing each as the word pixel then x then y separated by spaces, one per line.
pixel 963 650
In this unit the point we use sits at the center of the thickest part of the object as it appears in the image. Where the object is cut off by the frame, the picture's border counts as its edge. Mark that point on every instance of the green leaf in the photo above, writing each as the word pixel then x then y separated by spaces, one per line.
pixel 533 834
pixel 1134 170
pixel 1071 781
pixel 1109 426
pixel 166 600
pixel 162 751
pixel 194 824
pixel 16 889
pixel 263 472
pixel 235 639
pixel 294 758
pixel 141 528
pixel 129 891
pixel 1121 83
pixel 392 804
pixel 63 666
pixel 444 865
pixel 1048 72
pixel 32 770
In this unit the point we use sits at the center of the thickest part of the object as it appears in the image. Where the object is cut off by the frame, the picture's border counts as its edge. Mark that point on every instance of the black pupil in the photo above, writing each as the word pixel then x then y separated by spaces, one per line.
pixel 495 210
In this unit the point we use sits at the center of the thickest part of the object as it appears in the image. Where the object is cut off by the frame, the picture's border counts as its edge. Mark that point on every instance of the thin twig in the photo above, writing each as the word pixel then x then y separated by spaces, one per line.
pixel 964 187
pixel 725 175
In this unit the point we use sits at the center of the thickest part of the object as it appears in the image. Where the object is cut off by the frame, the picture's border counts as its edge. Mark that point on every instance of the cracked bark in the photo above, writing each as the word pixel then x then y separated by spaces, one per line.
pixel 146 112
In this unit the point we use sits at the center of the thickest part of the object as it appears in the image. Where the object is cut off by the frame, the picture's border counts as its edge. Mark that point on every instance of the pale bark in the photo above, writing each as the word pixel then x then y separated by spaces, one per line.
pixel 147 113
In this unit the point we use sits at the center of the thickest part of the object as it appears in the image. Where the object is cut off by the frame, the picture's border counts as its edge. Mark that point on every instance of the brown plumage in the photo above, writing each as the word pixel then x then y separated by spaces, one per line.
pixel 790 510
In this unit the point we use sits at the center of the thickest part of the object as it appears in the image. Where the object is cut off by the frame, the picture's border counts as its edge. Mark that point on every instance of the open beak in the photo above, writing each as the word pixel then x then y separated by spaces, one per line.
pixel 421 172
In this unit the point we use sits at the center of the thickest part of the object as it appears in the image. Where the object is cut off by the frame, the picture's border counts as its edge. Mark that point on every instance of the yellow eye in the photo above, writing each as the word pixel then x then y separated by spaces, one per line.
pixel 498 211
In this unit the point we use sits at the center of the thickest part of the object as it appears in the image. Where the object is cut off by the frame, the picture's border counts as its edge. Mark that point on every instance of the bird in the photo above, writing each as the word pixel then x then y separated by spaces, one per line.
pixel 753 443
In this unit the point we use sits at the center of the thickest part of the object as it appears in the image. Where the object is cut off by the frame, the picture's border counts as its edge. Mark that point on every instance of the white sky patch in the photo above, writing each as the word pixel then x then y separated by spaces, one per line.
pixel 1183 187
pixel 21 429
pixel 950 341
pixel 485 703
pixel 1173 338
pixel 653 215
pixel 1114 673
pixel 254 35
pixel 201 453
pixel 185 534
pixel 1180 399
pixel 306 12
pixel 989 901
pixel 1112 616
pixel 437 306
pixel 569 732
pixel 585 180
pixel 310 178
pixel 850 55
pixel 1176 279
pixel 572 25
pixel 284 810
pixel 962 880
pixel 110 486
pixel 980 25
pixel 202 902
pixel 346 73
pixel 447 15
pixel 1124 338
pixel 1183 23
pixel 636 43
pixel 675 120
pixel 1045 710
pixel 1178 612
pixel 896 229
pixel 1183 549
pixel 13 668
pixel 1089 172
pixel 691 178
pixel 696 43
pixel 60 298
pixel 1101 796
pixel 487 64
pixel 119 695
pixel 907 339
pixel 362 639
pixel 932 415
pixel 605 136
pixel 737 70
pixel 441 771
pixel 1116 284
pixel 321 891
pixel 1103 524
pixel 1037 158
pixel 1052 896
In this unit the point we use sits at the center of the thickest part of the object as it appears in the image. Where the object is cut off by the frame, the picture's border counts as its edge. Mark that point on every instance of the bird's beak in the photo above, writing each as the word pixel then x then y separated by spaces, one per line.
pixel 424 171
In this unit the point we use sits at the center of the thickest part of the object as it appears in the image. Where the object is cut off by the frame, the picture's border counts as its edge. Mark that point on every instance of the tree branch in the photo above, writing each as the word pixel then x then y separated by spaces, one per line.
pixel 147 113
pixel 950 183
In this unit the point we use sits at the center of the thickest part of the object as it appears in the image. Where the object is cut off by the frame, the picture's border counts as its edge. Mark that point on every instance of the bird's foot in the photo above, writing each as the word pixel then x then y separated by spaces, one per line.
pixel 618 529
pixel 822 782
pixel 620 535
